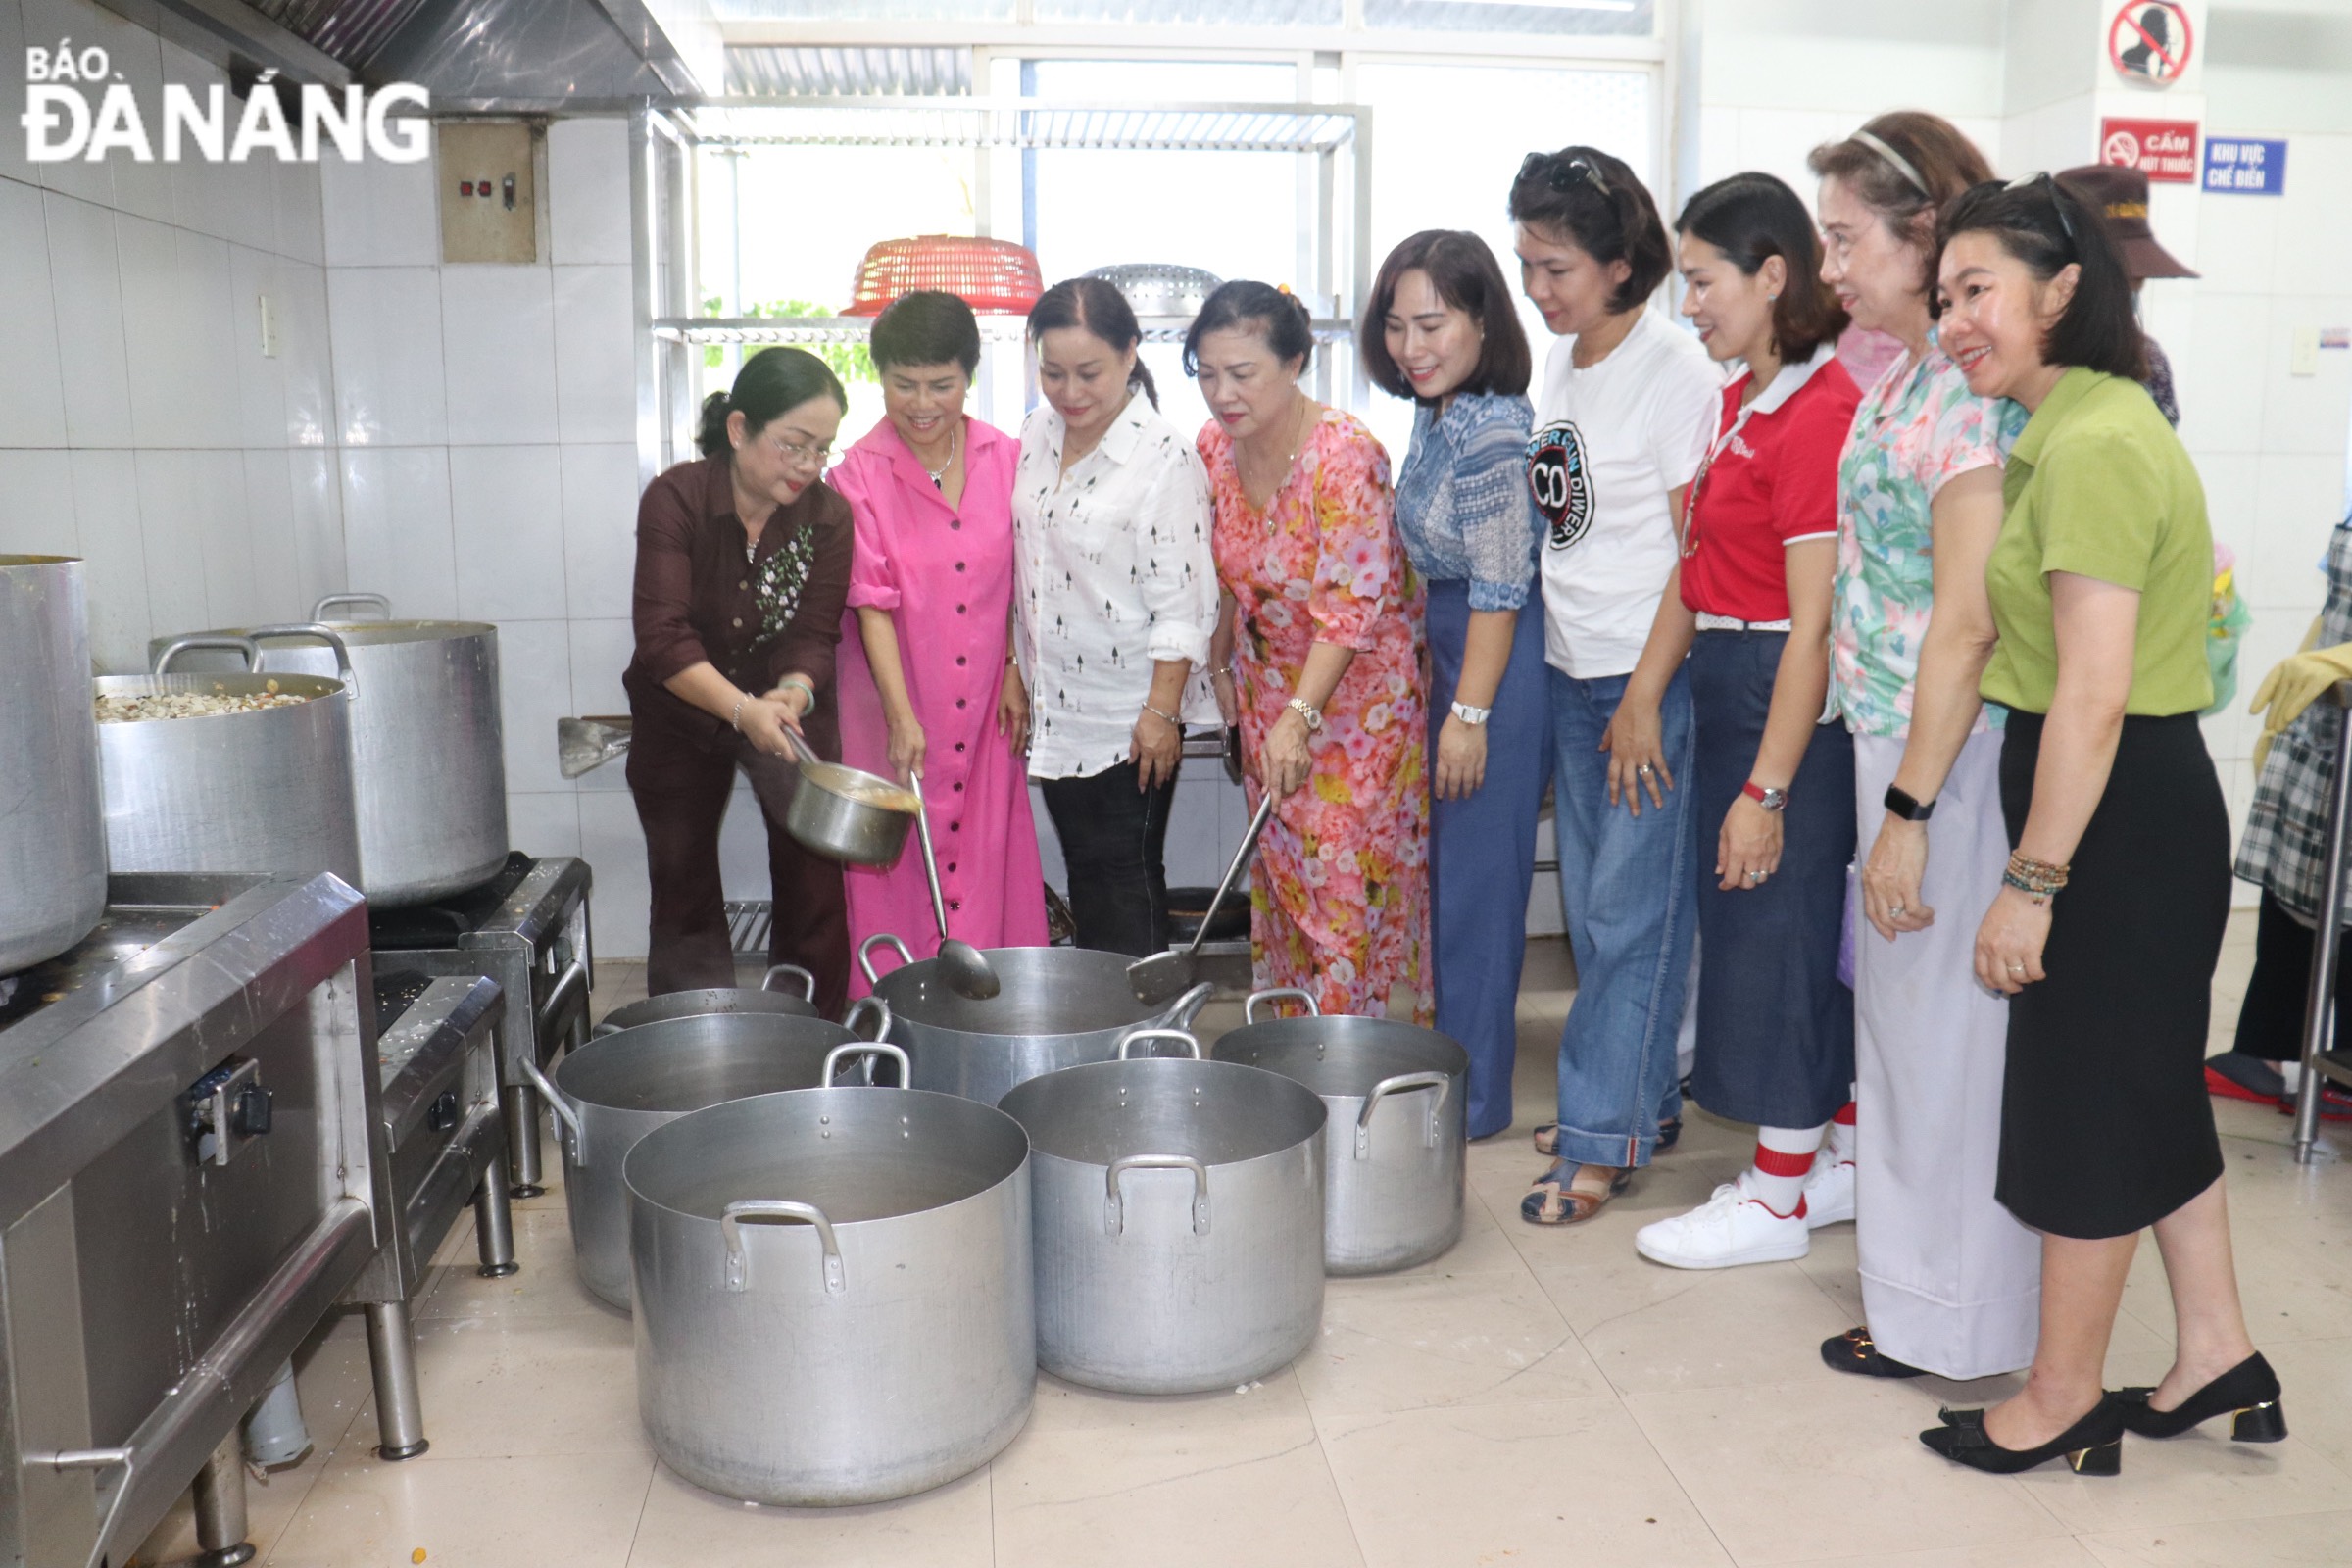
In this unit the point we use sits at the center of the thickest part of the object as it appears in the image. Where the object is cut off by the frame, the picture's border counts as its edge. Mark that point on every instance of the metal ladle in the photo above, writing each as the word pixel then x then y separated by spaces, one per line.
pixel 964 968
pixel 1163 976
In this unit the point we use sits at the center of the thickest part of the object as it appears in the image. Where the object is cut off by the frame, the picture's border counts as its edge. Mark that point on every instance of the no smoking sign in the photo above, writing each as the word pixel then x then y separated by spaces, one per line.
pixel 2149 42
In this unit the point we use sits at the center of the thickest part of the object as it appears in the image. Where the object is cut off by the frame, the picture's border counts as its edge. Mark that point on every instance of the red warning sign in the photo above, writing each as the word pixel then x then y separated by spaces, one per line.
pixel 2149 42
pixel 2164 150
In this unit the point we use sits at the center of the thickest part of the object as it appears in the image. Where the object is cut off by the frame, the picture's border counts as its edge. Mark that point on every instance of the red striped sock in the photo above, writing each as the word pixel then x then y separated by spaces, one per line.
pixel 1783 1158
pixel 1841 1134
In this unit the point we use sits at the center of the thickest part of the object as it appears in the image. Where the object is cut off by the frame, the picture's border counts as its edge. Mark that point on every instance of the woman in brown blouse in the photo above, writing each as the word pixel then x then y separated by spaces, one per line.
pixel 742 565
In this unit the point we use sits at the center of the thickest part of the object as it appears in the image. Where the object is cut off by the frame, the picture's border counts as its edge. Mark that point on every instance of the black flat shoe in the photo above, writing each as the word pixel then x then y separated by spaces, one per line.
pixel 2092 1445
pixel 1855 1352
pixel 2250 1389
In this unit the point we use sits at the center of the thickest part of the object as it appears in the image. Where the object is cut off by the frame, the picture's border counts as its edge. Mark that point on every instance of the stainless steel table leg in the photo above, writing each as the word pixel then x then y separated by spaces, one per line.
pixel 521 1103
pixel 2318 1017
pixel 392 1354
pixel 220 1522
pixel 493 1223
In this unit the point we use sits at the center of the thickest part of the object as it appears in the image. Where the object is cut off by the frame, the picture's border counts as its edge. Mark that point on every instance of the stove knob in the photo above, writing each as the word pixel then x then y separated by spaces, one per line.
pixel 253 1108
pixel 444 1113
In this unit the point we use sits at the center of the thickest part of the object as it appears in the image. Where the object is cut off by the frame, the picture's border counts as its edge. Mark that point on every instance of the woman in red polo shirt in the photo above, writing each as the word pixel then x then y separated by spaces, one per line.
pixel 1775 785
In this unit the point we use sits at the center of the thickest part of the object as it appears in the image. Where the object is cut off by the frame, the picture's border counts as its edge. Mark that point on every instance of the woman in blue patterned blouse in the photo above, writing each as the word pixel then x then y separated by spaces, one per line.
pixel 1440 329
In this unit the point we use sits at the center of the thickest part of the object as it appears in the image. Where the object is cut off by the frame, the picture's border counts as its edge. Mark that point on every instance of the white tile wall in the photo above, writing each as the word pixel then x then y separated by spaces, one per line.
pixel 615 846
pixel 397 533
pixel 507 516
pixel 385 325
pixel 534 677
pixel 36 504
pixel 596 354
pixel 112 540
pixel 498 344
pixel 377 214
pixel 32 401
pixel 588 191
pixel 85 283
pixel 599 528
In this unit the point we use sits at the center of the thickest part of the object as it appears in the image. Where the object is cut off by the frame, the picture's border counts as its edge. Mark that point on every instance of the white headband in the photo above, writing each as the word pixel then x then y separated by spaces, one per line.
pixel 1902 165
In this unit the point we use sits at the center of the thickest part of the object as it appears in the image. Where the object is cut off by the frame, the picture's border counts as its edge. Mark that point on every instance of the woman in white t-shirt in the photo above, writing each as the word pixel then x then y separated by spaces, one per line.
pixel 1115 598
pixel 1627 408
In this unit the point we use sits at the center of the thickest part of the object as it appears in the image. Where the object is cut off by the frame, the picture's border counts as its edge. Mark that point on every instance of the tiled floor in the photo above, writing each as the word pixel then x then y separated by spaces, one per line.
pixel 1534 1396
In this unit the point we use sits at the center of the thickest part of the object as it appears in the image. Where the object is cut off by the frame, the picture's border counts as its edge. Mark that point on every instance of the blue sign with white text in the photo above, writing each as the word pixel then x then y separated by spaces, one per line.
pixel 2245 168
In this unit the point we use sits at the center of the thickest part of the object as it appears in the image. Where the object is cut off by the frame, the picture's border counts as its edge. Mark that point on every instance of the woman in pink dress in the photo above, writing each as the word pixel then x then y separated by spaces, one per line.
pixel 928 687
pixel 1317 657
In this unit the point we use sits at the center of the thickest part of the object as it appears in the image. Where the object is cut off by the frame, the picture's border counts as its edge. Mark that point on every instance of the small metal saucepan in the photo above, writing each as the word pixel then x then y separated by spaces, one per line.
pixel 718 999
pixel 846 814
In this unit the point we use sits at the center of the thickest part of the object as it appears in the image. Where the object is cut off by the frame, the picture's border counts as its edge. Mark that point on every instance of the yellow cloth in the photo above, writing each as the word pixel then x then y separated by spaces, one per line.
pixel 2298 681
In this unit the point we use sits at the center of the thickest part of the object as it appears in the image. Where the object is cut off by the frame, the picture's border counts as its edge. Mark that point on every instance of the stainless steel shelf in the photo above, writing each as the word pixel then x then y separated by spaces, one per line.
pixel 854 328
pixel 1023 123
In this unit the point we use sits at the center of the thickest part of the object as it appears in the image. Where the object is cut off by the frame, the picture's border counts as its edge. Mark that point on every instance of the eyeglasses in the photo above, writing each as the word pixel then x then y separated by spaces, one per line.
pixel 1561 173
pixel 794 452
pixel 2029 181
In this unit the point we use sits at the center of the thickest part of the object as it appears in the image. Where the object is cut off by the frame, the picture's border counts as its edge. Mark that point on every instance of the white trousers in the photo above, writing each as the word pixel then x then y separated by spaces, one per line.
pixel 1950 1282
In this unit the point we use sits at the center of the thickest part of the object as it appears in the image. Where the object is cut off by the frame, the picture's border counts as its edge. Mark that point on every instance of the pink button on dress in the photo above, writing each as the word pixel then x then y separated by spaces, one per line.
pixel 944 573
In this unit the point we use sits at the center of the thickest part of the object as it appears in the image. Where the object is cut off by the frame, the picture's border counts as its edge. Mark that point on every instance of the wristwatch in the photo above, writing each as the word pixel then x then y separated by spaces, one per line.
pixel 1906 806
pixel 1771 800
pixel 1308 712
pixel 1471 716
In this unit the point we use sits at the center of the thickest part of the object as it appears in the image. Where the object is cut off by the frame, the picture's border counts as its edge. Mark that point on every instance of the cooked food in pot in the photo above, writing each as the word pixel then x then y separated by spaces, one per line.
pixel 132 708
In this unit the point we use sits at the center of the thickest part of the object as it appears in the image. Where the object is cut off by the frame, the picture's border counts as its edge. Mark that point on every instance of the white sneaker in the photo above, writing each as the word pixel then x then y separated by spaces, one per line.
pixel 1728 1229
pixel 1828 1191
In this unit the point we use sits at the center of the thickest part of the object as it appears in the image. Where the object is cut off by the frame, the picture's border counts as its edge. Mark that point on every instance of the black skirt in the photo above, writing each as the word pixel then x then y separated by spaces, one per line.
pixel 2105 1123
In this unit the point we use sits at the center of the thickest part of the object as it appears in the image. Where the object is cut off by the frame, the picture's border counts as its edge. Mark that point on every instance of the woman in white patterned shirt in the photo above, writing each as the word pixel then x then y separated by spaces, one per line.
pixel 1116 597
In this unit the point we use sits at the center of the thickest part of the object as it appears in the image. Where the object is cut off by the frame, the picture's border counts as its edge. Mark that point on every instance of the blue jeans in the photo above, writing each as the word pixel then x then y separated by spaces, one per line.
pixel 1482 851
pixel 1628 888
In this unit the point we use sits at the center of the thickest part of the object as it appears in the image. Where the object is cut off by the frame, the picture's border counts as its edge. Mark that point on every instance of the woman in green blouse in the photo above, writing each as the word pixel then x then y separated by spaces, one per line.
pixel 2110 915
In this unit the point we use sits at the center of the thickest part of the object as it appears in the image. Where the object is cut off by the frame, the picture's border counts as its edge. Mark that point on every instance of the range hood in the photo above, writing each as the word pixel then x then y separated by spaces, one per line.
pixel 481 56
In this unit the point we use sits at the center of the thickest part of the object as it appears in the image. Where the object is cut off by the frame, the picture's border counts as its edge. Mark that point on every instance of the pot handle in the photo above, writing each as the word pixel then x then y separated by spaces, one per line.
pixel 319 610
pixel 1190 1041
pixel 323 633
pixel 1280 994
pixel 207 639
pixel 1114 1208
pixel 1188 1006
pixel 869 1003
pixel 1402 1083
pixel 608 1027
pixel 768 981
pixel 865 955
pixel 739 1263
pixel 865 1048
pixel 569 1117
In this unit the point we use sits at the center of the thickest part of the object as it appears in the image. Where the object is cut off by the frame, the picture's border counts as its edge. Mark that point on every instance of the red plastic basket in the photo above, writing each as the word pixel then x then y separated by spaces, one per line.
pixel 988 274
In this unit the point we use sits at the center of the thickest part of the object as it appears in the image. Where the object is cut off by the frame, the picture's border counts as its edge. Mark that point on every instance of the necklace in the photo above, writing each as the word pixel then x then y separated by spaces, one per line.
pixel 939 475
pixel 1299 426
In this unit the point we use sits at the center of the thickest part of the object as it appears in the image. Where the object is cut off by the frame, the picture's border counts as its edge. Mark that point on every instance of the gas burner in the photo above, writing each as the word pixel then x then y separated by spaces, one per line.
pixel 527 929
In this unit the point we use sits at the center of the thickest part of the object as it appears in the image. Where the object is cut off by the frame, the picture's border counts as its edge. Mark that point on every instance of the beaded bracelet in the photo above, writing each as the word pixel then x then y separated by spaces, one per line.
pixel 2037 879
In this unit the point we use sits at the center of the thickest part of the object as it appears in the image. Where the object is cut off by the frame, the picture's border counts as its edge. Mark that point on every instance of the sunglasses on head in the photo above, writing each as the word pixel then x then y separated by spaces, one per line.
pixel 1561 173
pixel 2029 181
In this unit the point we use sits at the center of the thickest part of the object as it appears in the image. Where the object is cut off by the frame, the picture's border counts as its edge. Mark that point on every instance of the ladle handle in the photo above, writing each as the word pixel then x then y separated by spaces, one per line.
pixel 922 827
pixel 1240 858
pixel 768 981
pixel 1191 1042
pixel 730 1231
pixel 1402 1083
pixel 1114 1207
pixel 801 752
pixel 1280 994
pixel 865 1048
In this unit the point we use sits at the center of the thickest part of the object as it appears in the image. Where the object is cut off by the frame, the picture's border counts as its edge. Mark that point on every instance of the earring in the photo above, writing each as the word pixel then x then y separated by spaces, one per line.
pixel 1773 296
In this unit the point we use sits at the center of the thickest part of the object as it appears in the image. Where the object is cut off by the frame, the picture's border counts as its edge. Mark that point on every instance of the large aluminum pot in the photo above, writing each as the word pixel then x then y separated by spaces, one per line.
pixel 1394 1161
pixel 428 754
pixel 718 999
pixel 880 1343
pixel 52 835
pixel 1056 1007
pixel 267 790
pixel 613 1091
pixel 1179 1219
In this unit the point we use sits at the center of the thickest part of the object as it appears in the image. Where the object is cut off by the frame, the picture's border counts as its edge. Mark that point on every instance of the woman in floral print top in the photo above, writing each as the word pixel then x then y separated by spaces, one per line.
pixel 1950 1281
pixel 1317 658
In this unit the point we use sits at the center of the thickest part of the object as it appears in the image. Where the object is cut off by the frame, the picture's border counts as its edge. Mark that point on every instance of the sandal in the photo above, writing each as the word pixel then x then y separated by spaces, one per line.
pixel 1855 1352
pixel 1570 1195
pixel 1547 1136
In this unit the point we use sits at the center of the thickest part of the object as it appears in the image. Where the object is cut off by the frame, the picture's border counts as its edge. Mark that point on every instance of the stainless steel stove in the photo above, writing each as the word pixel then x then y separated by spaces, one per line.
pixel 527 929
pixel 192 1171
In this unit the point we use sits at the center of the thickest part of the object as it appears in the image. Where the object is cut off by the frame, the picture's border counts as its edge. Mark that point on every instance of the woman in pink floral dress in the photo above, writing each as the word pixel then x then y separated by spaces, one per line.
pixel 1317 658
